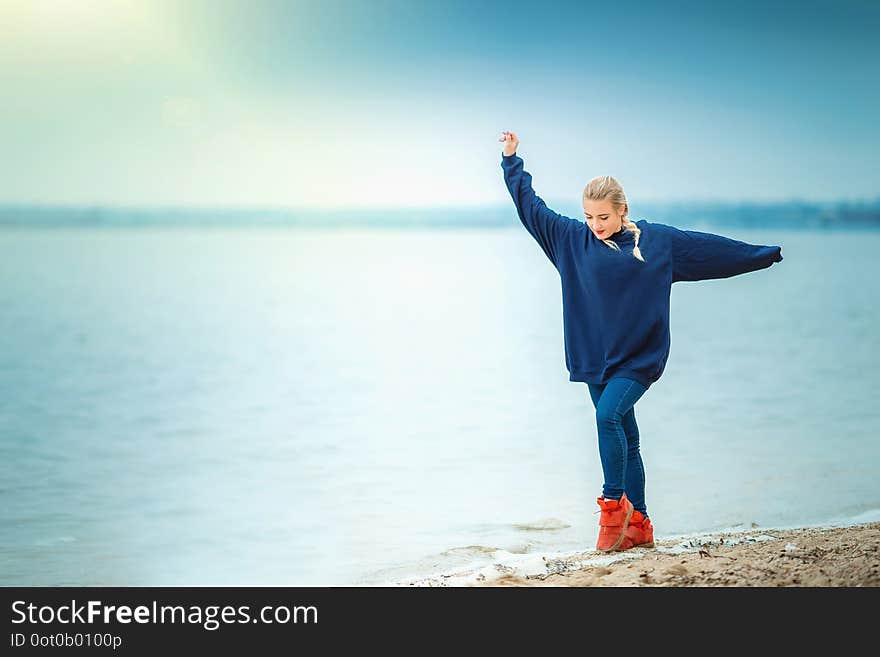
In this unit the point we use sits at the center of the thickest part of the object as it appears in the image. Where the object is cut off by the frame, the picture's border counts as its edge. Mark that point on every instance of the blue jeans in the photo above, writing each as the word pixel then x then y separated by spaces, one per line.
pixel 619 439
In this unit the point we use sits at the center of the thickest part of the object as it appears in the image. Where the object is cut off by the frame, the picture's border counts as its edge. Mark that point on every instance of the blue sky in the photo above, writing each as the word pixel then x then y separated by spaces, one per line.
pixel 375 103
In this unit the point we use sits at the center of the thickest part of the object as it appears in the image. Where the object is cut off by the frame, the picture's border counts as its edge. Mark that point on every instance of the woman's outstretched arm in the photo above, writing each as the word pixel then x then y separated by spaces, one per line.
pixel 545 225
pixel 698 256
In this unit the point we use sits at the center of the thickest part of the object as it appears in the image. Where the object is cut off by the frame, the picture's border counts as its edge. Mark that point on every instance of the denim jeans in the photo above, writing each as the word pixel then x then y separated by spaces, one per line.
pixel 619 439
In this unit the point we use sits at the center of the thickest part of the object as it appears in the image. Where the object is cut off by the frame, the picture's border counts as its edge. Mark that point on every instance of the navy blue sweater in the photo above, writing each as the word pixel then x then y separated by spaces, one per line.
pixel 616 307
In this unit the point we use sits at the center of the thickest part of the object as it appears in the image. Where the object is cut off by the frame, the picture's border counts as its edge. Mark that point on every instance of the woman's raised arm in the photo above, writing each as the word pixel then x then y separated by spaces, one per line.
pixel 546 226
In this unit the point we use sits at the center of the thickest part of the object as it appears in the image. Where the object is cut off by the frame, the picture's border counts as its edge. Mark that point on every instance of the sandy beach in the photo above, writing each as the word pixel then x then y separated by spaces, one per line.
pixel 839 556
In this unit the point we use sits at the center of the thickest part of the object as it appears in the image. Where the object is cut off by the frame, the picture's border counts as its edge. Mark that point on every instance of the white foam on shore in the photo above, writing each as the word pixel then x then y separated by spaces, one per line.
pixel 521 565
pixel 530 565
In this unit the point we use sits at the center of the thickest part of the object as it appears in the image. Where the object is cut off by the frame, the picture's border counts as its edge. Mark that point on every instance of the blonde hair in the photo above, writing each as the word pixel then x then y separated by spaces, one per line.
pixel 601 188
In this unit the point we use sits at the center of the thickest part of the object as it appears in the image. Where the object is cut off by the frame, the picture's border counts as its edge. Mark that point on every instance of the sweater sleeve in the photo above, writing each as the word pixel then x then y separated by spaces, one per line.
pixel 545 225
pixel 698 256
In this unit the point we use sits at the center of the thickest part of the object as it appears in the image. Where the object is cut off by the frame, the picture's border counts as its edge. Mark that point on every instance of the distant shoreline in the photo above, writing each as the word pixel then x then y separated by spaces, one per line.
pixel 697 215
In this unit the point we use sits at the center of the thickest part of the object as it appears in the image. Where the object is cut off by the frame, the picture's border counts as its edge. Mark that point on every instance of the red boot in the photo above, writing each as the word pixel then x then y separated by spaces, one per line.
pixel 613 522
pixel 640 531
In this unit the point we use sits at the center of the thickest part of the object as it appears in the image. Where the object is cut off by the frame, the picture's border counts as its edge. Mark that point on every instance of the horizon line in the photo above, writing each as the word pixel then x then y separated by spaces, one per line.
pixel 204 207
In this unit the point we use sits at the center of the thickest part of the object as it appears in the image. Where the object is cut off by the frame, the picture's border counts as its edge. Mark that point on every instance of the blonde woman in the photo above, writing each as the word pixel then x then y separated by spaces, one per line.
pixel 616 277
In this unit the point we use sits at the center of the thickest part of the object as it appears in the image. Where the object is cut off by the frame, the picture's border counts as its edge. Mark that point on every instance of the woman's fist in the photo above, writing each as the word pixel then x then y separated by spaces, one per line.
pixel 510 142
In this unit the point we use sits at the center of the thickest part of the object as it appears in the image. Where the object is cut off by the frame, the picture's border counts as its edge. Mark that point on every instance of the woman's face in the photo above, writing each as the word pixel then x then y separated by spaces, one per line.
pixel 602 218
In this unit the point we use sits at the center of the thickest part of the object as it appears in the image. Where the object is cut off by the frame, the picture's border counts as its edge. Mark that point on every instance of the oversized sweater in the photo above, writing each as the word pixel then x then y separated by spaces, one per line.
pixel 616 307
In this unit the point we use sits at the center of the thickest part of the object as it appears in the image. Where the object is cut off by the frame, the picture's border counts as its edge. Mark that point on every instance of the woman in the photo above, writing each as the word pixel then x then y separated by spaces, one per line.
pixel 616 278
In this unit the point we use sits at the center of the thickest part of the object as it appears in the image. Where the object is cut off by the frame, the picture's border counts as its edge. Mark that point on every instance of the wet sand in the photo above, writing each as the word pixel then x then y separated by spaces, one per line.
pixel 840 556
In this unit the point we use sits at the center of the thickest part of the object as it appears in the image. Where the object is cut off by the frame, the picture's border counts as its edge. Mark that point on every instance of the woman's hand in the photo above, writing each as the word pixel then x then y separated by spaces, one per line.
pixel 510 142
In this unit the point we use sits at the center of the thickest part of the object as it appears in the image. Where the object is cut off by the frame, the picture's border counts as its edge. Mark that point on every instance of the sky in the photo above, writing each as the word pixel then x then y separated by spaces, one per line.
pixel 376 103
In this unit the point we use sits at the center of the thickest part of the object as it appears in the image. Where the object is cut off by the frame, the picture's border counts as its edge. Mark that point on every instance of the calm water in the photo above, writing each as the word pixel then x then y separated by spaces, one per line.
pixel 294 406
